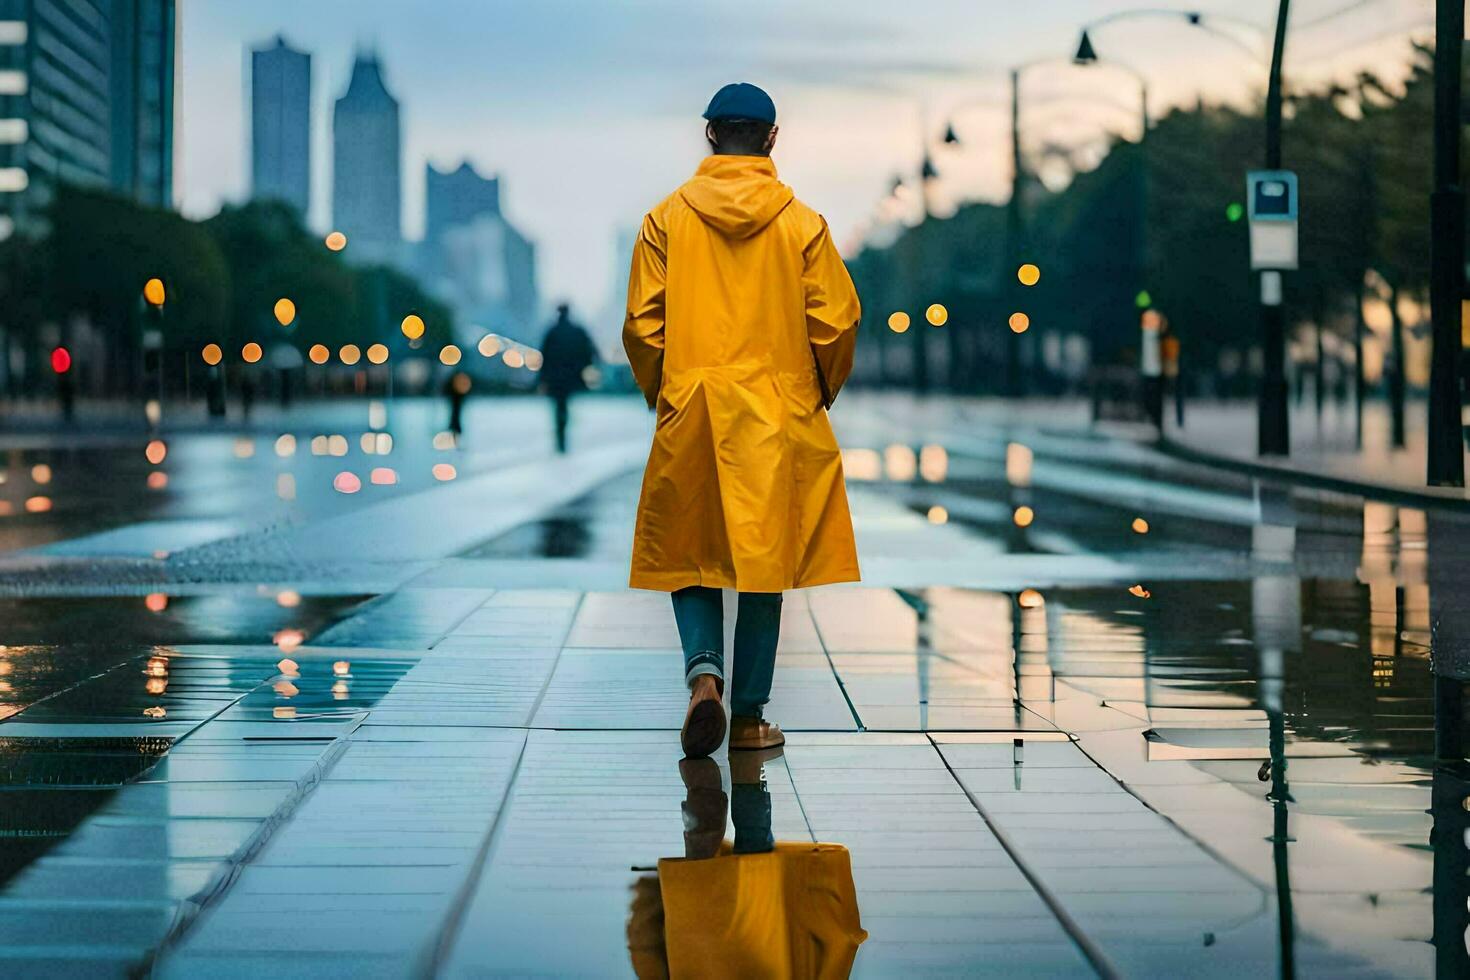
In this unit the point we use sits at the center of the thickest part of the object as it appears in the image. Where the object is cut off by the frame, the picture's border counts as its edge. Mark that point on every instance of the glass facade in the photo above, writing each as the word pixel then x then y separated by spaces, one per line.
pixel 86 98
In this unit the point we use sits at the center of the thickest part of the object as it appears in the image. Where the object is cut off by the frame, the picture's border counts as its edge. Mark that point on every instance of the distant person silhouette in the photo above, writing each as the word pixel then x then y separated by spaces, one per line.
pixel 567 352
pixel 457 389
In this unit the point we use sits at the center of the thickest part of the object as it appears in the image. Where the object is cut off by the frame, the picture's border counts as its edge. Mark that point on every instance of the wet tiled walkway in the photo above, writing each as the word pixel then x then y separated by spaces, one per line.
pixel 1066 748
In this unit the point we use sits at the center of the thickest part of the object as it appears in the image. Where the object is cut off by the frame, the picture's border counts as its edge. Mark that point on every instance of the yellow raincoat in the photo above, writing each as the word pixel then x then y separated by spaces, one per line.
pixel 740 330
pixel 788 914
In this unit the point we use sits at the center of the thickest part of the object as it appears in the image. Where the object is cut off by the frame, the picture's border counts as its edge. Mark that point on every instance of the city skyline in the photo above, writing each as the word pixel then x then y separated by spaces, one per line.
pixel 552 94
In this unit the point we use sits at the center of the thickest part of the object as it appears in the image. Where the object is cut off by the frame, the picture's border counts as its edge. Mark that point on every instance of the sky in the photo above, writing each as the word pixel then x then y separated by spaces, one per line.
pixel 589 109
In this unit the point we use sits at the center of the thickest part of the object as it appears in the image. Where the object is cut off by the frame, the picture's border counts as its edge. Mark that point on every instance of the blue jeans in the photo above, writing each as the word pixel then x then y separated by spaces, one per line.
pixel 700 613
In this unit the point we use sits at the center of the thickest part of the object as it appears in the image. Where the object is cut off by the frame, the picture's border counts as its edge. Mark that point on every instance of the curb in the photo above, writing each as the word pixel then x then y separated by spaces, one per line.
pixel 1270 471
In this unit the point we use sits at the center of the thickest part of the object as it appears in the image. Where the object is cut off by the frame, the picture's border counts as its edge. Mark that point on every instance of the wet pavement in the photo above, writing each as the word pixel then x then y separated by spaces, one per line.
pixel 1093 711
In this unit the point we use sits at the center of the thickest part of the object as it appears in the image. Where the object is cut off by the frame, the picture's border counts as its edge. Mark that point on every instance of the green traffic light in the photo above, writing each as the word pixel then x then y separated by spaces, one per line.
pixel 1143 300
pixel 1234 211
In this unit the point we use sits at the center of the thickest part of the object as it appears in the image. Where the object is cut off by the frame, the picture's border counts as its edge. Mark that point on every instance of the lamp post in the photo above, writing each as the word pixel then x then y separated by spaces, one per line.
pixel 1446 462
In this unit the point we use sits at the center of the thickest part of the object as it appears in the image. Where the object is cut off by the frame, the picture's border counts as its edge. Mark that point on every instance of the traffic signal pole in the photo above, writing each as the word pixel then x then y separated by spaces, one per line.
pixel 1446 462
pixel 1273 435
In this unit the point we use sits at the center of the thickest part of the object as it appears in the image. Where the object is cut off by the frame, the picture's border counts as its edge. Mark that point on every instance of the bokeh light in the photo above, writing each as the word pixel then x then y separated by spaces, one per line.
pixel 38 505
pixel 212 354
pixel 157 480
pixel 1139 591
pixel 1140 526
pixel 349 354
pixel 412 326
pixel 936 314
pixel 156 602
pixel 1019 322
pixel 489 345
pixel 377 353
pixel 898 321
pixel 319 354
pixel 285 312
pixel 449 354
pixel 514 359
pixel 1029 599
pixel 336 241
pixel 41 474
pixel 251 352
pixel 1023 516
pixel 383 476
pixel 156 451
pixel 154 292
pixel 534 360
pixel 938 515
pixel 286 445
pixel 1029 274
pixel 445 472
pixel 346 482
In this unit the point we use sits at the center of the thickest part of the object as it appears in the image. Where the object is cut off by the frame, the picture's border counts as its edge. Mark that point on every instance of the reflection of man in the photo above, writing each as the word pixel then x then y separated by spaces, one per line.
pixel 567 352
pixel 757 908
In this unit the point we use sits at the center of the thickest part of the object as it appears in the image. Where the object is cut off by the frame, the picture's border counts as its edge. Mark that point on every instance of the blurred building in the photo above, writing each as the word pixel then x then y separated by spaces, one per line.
pixel 474 259
pixel 367 155
pixel 280 125
pixel 87 95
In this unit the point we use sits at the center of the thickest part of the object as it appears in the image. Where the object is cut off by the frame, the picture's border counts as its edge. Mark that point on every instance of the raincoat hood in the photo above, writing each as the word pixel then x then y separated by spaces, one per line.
pixel 736 195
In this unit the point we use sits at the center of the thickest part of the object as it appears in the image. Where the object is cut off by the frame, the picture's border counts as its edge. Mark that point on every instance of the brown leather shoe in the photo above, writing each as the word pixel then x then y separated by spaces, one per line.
pixel 754 733
pixel 704 724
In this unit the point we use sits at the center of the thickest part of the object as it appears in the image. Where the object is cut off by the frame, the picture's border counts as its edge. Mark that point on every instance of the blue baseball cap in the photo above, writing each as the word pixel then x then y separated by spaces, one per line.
pixel 741 100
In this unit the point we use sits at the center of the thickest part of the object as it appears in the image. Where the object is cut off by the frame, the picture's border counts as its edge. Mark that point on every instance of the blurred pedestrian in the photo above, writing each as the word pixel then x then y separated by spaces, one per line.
pixel 567 352
pixel 1151 366
pixel 457 389
pixel 740 329
pixel 1173 379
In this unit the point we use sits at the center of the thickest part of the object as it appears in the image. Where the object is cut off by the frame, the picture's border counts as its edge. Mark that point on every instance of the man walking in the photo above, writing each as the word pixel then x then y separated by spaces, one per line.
pixel 567 352
pixel 740 329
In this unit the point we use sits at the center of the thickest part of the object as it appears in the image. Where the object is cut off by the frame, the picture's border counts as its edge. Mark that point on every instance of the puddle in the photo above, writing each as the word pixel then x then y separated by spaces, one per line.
pixel 596 525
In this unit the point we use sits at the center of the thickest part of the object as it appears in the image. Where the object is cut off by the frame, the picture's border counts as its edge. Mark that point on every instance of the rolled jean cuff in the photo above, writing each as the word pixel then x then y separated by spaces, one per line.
pixel 704 663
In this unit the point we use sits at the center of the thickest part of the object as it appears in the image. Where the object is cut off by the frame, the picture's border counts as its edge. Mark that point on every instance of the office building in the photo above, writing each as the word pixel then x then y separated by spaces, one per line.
pixel 280 125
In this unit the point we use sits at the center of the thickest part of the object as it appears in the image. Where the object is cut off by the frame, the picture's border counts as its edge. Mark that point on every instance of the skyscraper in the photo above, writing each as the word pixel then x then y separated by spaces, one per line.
pixel 474 259
pixel 280 124
pixel 367 154
pixel 86 97
pixel 142 93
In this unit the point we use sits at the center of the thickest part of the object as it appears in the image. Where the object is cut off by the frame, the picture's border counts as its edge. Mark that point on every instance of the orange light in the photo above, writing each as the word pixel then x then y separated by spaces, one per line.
pixel 1020 323
pixel 1029 599
pixel 156 451
pixel 1139 591
pixel 383 476
pixel 377 354
pixel 445 472
pixel 157 480
pixel 336 241
pixel 288 598
pixel 350 354
pixel 1023 516
pixel 412 326
pixel 285 312
pixel 342 668
pixel 1140 525
pixel 936 314
pixel 449 355
pixel 38 505
pixel 1028 274
pixel 153 292
pixel 212 354
pixel 898 322
pixel 514 359
pixel 489 345
pixel 251 352
pixel 41 473
pixel 346 482
pixel 318 354
pixel 938 515
pixel 155 602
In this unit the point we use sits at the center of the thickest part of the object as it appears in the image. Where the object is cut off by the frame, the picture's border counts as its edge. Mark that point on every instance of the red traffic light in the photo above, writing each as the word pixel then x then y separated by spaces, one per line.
pixel 61 360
